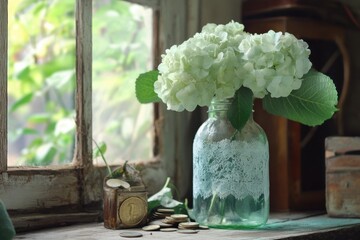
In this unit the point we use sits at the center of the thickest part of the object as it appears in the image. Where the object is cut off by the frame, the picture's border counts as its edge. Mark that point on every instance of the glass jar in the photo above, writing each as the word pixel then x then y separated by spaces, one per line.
pixel 231 172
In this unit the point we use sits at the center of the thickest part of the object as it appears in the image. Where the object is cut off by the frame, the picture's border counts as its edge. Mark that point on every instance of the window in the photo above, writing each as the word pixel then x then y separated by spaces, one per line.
pixel 41 82
pixel 78 185
pixel 122 49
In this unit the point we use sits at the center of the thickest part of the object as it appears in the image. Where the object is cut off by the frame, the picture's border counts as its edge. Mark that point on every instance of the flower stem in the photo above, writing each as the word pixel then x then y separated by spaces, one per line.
pixel 212 203
pixel 222 210
pixel 103 158
pixel 233 137
pixel 222 207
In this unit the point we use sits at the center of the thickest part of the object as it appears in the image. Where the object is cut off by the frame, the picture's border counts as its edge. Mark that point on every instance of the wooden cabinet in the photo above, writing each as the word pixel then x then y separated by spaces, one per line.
pixel 297 166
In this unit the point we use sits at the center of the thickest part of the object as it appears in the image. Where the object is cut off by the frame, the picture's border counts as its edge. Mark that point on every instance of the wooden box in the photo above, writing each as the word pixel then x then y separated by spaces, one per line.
pixel 125 208
pixel 343 176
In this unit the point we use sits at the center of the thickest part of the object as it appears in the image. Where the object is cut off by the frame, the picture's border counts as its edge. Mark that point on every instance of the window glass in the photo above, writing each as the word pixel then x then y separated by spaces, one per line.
pixel 41 81
pixel 122 45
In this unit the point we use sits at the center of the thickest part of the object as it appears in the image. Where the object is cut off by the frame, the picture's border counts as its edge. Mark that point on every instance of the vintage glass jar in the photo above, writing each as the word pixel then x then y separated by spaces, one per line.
pixel 231 172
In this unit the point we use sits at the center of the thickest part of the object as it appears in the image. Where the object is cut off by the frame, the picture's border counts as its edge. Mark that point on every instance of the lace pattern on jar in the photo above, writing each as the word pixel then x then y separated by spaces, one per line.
pixel 244 173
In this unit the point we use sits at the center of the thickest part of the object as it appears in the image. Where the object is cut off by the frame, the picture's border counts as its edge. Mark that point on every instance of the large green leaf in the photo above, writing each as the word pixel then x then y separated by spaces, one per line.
pixel 311 105
pixel 241 108
pixel 144 87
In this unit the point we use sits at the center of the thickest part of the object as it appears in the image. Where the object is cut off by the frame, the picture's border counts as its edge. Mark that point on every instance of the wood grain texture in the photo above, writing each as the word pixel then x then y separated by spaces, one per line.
pixel 291 158
pixel 37 221
pixel 343 176
pixel 83 155
pixel 45 189
pixel 175 139
pixel 276 129
pixel 285 227
pixel 3 83
pixel 154 4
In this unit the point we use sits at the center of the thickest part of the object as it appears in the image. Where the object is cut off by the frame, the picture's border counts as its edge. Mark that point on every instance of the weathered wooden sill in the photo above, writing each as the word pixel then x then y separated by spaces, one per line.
pixel 280 226
pixel 30 222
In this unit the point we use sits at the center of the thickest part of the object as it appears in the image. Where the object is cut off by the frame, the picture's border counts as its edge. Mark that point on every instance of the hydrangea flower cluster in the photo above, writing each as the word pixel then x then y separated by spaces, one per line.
pixel 275 63
pixel 221 58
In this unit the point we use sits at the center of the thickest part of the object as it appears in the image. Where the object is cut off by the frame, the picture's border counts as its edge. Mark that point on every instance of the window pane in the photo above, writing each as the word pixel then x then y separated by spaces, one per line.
pixel 122 40
pixel 41 80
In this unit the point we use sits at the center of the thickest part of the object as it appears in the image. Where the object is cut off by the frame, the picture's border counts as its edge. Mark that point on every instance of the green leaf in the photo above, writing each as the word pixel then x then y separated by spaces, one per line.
pixel 144 87
pixel 164 198
pixel 241 108
pixel 21 102
pixel 45 154
pixel 100 149
pixel 60 79
pixel 39 118
pixel 7 230
pixel 26 131
pixel 311 105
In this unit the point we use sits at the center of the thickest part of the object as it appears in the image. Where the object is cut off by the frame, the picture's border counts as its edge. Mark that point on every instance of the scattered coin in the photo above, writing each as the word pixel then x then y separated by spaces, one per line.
pixel 130 234
pixel 166 225
pixel 203 227
pixel 168 229
pixel 161 224
pixel 189 225
pixel 187 231
pixel 116 183
pixel 151 228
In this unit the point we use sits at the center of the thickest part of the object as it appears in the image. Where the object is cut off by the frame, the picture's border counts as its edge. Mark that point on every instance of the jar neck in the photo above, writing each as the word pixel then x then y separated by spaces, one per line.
pixel 219 108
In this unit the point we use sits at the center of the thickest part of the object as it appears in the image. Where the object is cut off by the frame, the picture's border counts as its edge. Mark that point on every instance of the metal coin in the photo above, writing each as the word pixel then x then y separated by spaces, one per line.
pixel 203 227
pixel 189 225
pixel 132 211
pixel 179 216
pixel 116 183
pixel 161 224
pixel 168 229
pixel 165 210
pixel 160 215
pixel 155 222
pixel 151 228
pixel 130 234
pixel 187 231
pixel 169 220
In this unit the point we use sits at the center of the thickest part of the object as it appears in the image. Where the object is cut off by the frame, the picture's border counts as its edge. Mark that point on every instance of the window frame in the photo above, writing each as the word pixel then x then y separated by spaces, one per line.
pixel 78 186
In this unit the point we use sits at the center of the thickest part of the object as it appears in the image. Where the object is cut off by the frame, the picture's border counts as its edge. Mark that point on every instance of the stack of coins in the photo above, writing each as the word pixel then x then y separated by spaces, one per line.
pixel 162 213
pixel 165 220
pixel 188 225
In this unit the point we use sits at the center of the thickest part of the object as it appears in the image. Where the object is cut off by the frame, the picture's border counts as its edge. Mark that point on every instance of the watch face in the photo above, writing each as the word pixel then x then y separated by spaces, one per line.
pixel 132 211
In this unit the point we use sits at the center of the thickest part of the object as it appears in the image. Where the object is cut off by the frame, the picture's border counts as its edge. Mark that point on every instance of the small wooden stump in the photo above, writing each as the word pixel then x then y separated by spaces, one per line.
pixel 342 176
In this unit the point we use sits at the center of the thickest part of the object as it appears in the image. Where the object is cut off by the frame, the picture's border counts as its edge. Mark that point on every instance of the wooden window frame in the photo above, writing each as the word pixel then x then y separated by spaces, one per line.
pixel 77 187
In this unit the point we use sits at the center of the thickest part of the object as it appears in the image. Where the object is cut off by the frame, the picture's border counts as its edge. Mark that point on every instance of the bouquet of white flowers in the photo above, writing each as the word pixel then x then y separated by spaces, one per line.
pixel 224 61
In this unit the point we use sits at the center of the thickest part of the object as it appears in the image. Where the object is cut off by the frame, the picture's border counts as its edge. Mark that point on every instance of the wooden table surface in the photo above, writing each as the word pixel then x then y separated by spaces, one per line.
pixel 280 226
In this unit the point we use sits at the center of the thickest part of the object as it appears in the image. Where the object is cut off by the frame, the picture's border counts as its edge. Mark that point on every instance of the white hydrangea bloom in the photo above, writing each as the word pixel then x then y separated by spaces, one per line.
pixel 276 63
pixel 221 58
pixel 202 67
